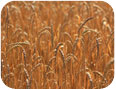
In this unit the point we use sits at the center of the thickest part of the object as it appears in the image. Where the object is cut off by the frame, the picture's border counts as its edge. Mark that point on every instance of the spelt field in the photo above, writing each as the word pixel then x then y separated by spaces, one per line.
pixel 57 45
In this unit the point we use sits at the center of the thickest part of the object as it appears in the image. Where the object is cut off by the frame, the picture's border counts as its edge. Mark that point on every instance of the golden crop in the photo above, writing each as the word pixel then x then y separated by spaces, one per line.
pixel 57 44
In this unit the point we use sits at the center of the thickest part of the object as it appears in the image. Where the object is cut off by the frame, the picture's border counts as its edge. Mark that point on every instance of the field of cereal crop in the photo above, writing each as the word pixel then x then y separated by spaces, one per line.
pixel 57 44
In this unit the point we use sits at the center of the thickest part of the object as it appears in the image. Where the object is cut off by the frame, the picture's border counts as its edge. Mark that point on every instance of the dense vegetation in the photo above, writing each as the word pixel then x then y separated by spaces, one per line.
pixel 57 44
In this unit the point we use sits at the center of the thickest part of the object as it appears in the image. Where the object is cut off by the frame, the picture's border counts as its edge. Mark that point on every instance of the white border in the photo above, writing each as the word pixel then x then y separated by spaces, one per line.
pixel 112 3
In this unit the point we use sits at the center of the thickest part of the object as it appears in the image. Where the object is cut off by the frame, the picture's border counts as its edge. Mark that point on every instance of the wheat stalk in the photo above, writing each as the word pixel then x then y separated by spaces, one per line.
pixel 20 43
pixel 44 29
pixel 69 56
pixel 69 36
pixel 42 33
pixel 27 78
pixel 101 75
pixel 97 47
pixel 63 58
pixel 24 53
pixel 84 24
pixel 50 61
pixel 52 36
pixel 90 79
pixel 74 45
pixel 15 46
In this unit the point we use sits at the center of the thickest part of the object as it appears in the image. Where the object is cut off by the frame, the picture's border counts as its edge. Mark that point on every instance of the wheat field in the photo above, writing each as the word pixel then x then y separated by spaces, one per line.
pixel 57 44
